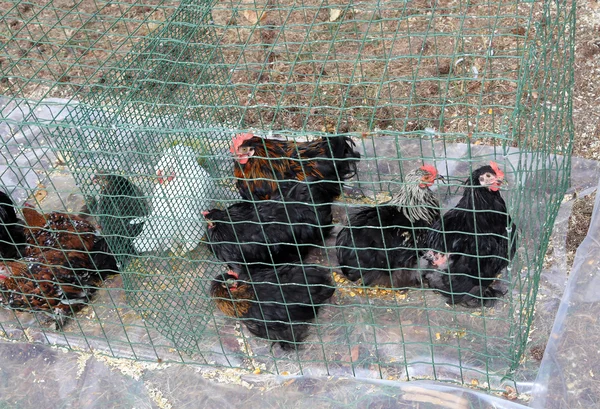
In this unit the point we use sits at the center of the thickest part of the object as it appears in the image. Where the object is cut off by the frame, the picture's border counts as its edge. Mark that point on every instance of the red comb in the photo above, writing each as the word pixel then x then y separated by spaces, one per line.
pixel 238 140
pixel 430 169
pixel 205 212
pixel 234 274
pixel 496 169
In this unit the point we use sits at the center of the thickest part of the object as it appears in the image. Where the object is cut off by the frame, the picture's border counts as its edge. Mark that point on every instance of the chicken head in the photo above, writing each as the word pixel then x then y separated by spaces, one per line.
pixel 242 153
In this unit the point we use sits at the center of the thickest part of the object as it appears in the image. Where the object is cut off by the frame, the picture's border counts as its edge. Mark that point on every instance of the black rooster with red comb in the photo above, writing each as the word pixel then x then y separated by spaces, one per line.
pixel 473 242
pixel 382 244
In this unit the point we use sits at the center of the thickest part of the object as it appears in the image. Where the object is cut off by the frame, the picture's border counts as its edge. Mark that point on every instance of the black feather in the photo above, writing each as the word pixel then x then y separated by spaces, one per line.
pixel 329 160
pixel 380 245
pixel 103 258
pixel 271 232
pixel 285 300
pixel 342 167
pixel 479 244
pixel 120 202
pixel 12 234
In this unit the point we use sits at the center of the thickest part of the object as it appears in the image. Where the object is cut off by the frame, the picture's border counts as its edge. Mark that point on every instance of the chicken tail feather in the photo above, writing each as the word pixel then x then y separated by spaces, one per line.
pixel 342 147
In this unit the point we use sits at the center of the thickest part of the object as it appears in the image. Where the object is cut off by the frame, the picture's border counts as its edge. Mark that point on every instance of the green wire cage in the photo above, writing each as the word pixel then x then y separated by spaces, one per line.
pixel 95 87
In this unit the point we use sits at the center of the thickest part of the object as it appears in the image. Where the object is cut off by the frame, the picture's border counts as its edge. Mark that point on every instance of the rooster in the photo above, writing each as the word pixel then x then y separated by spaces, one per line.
pixel 52 281
pixel 265 167
pixel 119 204
pixel 381 244
pixel 275 304
pixel 473 242
pixel 272 232
pixel 61 231
pixel 179 197
pixel 12 236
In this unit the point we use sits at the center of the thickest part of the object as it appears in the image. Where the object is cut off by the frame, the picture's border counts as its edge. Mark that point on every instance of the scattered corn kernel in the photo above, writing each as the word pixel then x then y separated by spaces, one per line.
pixel 256 371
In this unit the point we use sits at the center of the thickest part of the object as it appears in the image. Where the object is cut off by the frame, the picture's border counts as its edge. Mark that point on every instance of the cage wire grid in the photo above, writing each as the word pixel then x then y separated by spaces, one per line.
pixel 110 87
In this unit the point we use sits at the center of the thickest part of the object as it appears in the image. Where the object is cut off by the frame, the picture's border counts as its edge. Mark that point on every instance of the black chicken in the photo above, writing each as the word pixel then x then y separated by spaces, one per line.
pixel 271 232
pixel 473 242
pixel 119 204
pixel 381 244
pixel 275 304
pixel 12 235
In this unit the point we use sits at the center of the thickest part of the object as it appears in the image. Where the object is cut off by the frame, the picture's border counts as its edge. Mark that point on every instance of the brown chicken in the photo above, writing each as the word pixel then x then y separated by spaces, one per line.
pixel 57 230
pixel 267 166
pixel 65 259
pixel 61 231
pixel 56 282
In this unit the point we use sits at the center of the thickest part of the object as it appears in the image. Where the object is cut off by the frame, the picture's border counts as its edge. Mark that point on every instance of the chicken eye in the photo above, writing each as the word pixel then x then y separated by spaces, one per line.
pixel 245 150
pixel 486 178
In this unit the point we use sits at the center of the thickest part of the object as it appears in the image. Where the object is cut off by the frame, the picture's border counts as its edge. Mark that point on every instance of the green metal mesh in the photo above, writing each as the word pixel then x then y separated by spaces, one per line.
pixel 110 86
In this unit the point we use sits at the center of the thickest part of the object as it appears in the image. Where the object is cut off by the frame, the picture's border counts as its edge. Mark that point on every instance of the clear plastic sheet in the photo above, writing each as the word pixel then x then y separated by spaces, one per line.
pixel 56 376
pixel 41 376
pixel 571 364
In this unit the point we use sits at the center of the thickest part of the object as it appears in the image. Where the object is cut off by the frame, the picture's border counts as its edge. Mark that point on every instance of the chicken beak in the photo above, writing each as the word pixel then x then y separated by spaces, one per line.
pixel 440 177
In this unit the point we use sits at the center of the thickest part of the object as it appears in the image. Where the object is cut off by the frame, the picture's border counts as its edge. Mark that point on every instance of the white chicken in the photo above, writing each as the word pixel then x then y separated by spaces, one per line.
pixel 176 221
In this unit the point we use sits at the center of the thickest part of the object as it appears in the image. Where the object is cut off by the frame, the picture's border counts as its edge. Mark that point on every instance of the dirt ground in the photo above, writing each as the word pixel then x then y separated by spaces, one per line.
pixel 586 111
pixel 400 83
